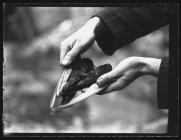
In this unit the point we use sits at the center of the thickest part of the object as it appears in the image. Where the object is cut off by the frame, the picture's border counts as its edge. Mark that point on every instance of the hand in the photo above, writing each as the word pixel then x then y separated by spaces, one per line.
pixel 78 42
pixel 127 71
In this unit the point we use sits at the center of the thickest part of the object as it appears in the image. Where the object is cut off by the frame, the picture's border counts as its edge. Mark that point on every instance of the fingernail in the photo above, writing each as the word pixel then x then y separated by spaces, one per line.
pixel 100 82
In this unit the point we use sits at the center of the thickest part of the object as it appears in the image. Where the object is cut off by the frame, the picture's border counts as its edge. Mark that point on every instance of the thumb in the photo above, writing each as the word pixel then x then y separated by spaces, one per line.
pixel 71 55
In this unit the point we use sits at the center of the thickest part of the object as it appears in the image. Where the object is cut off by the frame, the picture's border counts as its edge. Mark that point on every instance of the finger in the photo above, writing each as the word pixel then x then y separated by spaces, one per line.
pixel 109 77
pixel 117 85
pixel 71 55
pixel 63 51
pixel 120 83
pixel 115 73
pixel 113 86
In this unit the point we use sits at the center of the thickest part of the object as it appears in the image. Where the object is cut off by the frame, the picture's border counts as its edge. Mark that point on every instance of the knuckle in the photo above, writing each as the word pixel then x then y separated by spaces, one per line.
pixel 132 58
pixel 78 40
pixel 69 55
pixel 62 45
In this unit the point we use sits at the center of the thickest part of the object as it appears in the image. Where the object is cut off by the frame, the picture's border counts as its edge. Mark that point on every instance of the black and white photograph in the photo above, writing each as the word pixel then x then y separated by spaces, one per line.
pixel 90 69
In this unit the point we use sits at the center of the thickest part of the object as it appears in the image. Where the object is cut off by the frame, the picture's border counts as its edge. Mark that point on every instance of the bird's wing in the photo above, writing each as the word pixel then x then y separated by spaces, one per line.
pixel 92 90
pixel 64 79
pixel 61 82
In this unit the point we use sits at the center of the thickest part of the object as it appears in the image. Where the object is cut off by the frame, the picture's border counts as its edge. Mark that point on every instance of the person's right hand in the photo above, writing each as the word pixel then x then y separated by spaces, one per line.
pixel 78 42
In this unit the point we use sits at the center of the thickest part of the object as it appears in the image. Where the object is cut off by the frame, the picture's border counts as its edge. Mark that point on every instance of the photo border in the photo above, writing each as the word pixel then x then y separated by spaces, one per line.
pixel 173 72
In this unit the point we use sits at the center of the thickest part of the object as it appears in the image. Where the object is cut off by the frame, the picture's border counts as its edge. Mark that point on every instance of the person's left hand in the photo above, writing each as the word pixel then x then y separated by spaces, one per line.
pixel 127 71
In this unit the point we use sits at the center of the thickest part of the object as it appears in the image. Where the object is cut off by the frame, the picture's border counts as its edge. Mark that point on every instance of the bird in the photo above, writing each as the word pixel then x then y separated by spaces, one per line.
pixel 80 70
pixel 84 73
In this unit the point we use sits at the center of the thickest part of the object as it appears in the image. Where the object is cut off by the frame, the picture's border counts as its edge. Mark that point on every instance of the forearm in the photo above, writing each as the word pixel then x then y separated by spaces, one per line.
pixel 91 25
pixel 159 68
pixel 125 24
pixel 151 65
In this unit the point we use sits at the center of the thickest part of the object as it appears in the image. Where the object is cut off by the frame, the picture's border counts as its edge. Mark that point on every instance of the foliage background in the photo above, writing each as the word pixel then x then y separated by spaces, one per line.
pixel 31 70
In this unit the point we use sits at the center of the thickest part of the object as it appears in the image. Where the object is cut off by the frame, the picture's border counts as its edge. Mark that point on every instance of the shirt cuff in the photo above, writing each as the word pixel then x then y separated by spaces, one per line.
pixel 162 87
pixel 104 38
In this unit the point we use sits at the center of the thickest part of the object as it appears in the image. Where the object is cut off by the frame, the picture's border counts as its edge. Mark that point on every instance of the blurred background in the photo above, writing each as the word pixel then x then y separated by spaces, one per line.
pixel 31 71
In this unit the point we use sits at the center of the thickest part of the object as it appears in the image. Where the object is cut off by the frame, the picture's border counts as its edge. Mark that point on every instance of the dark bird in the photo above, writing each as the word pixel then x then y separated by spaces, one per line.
pixel 80 70
pixel 83 75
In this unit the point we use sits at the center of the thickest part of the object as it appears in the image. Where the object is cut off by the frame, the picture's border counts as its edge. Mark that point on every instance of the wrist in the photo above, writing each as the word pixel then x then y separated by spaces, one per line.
pixel 91 25
pixel 150 65
pixel 93 22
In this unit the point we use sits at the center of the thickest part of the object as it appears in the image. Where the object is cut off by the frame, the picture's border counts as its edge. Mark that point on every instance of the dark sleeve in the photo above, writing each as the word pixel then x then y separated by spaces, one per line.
pixel 122 25
pixel 162 85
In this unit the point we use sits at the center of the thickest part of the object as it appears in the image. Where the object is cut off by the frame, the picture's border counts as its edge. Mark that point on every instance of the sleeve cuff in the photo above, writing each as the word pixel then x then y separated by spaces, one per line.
pixel 104 38
pixel 162 87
